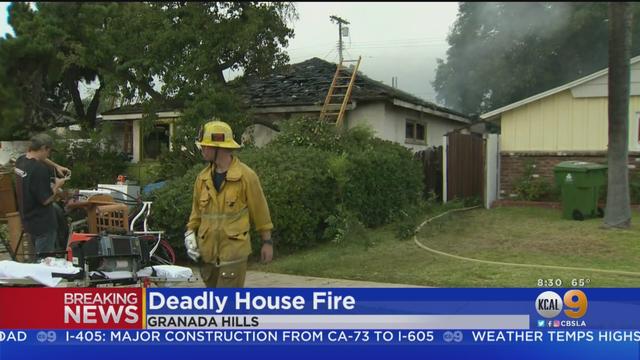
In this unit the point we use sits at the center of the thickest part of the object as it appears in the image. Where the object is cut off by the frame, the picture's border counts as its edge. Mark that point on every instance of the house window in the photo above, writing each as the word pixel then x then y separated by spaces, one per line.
pixel 156 141
pixel 415 132
pixel 419 132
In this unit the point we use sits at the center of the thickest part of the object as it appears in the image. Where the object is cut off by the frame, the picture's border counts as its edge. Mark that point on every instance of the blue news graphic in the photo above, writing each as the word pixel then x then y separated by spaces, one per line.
pixel 603 308
pixel 355 323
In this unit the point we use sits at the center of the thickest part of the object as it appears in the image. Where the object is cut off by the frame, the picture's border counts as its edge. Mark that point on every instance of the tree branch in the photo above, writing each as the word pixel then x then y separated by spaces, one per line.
pixel 56 113
pixel 72 86
pixel 92 110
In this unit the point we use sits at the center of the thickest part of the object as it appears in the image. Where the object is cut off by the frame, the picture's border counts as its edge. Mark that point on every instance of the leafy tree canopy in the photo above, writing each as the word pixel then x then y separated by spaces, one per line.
pixel 500 53
pixel 163 54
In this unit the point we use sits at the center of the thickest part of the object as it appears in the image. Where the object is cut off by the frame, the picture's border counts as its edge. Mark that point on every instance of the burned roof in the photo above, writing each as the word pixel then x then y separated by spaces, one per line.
pixel 307 83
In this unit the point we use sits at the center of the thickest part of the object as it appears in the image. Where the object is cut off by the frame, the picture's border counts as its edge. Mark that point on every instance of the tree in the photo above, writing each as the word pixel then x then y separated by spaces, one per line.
pixel 618 211
pixel 166 55
pixel 55 50
pixel 500 53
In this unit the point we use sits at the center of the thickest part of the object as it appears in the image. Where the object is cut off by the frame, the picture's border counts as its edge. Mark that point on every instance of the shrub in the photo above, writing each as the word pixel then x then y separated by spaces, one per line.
pixel 172 207
pixel 307 131
pixel 299 189
pixel 92 160
pixel 321 186
pixel 530 187
pixel 634 188
pixel 300 197
pixel 214 103
pixel 382 181
pixel 376 178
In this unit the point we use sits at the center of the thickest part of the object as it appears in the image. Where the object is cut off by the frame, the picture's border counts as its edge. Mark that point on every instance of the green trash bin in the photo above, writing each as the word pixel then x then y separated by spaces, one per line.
pixel 580 183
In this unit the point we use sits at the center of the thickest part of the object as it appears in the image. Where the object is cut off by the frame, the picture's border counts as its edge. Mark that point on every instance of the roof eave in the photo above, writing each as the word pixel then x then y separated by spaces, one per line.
pixel 426 110
pixel 494 113
pixel 138 115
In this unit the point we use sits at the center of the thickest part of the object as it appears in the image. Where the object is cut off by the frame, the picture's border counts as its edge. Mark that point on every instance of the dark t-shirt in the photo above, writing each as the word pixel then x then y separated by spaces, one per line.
pixel 33 187
pixel 218 179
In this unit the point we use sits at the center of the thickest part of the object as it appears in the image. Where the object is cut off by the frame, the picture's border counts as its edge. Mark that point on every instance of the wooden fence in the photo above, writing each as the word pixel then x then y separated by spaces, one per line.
pixel 431 160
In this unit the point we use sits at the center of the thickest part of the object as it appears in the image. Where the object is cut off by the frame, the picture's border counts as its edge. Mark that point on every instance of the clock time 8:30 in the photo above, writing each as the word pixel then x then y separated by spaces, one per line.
pixel 549 282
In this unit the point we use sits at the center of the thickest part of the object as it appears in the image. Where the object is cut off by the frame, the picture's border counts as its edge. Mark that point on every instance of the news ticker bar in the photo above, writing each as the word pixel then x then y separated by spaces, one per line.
pixel 314 337
pixel 301 308
pixel 439 322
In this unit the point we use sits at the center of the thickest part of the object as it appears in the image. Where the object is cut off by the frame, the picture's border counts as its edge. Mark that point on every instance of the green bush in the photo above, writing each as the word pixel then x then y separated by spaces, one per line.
pixel 634 188
pixel 172 207
pixel 214 103
pixel 383 179
pixel 146 172
pixel 376 178
pixel 320 185
pixel 306 131
pixel 532 188
pixel 299 189
pixel 92 160
pixel 300 197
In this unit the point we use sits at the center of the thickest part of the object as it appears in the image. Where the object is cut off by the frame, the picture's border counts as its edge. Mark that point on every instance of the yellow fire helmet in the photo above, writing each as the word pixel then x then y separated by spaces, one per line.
pixel 218 134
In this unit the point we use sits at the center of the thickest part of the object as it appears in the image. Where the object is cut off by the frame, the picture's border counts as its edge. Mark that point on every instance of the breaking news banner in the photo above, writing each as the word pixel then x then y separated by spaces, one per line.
pixel 524 323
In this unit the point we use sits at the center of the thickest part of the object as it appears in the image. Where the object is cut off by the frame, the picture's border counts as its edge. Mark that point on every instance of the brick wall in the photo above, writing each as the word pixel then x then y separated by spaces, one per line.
pixel 512 166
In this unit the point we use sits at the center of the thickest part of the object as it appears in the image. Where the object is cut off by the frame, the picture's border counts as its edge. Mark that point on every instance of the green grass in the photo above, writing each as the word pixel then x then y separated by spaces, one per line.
pixel 519 235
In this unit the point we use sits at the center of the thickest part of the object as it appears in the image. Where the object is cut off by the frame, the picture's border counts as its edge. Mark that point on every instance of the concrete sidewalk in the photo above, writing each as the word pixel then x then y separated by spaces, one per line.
pixel 267 280
pixel 264 279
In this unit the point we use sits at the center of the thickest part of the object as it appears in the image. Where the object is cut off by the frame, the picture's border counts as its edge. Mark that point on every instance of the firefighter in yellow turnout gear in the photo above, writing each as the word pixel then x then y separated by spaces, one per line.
pixel 227 197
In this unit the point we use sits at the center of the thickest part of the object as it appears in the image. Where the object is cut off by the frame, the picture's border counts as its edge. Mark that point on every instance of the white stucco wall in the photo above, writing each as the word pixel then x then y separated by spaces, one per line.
pixel 389 123
pixel 136 141
pixel 373 115
pixel 261 134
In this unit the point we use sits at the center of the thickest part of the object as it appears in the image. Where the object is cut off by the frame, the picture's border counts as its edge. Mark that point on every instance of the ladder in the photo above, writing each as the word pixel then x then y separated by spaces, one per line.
pixel 339 93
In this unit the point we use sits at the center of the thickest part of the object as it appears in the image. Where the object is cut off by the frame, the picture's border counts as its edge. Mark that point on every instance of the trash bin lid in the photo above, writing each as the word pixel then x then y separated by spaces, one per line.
pixel 578 166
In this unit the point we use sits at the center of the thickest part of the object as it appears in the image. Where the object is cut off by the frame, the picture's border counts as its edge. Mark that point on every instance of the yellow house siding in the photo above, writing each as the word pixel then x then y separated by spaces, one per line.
pixel 565 123
pixel 579 115
pixel 536 134
pixel 562 123
pixel 550 121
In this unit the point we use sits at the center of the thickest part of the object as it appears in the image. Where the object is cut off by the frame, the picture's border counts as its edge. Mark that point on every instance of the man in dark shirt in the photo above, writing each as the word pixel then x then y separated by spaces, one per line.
pixel 37 188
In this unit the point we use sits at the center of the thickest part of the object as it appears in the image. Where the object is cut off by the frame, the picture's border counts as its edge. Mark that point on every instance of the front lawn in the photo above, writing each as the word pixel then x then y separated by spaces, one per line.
pixel 517 235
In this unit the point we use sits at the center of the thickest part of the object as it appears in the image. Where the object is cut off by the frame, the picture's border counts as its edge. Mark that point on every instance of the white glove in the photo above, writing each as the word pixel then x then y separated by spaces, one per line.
pixel 191 244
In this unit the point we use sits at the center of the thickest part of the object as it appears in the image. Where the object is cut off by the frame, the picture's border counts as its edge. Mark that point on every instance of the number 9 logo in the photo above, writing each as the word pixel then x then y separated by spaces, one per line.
pixel 576 301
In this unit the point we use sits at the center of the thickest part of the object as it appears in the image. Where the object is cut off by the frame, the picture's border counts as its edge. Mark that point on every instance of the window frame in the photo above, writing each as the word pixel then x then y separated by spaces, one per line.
pixel 143 148
pixel 414 126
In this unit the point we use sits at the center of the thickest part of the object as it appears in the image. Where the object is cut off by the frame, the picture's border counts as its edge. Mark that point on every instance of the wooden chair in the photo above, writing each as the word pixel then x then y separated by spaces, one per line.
pixel 104 214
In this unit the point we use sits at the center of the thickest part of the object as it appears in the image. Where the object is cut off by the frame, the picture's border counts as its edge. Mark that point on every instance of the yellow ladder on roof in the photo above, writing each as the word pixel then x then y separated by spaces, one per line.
pixel 339 93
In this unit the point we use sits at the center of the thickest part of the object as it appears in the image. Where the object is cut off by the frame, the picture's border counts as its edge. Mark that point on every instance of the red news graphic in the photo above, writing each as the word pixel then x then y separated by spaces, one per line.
pixel 32 308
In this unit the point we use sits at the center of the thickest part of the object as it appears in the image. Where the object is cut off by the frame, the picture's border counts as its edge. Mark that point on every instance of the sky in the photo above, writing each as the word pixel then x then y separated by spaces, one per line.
pixel 401 39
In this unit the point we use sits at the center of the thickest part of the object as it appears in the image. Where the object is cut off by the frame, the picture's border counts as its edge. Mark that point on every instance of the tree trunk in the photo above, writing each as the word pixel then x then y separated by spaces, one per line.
pixel 618 211
pixel 92 110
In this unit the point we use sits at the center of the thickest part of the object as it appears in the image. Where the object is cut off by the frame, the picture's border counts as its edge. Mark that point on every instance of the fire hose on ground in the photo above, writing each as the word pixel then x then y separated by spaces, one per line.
pixel 501 263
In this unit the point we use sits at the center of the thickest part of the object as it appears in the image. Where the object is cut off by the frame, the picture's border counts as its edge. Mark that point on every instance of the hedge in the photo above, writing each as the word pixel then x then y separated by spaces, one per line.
pixel 313 179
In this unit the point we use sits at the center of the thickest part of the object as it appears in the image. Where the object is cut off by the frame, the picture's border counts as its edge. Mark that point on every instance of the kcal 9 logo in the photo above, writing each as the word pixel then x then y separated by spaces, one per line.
pixel 549 304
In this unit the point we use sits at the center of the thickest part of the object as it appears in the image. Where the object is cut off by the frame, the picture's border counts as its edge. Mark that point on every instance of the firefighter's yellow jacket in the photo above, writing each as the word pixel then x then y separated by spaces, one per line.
pixel 221 220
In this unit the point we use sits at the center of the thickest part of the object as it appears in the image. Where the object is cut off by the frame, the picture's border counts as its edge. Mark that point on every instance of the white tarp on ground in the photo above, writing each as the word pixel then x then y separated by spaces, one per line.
pixel 161 271
pixel 41 273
